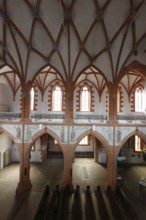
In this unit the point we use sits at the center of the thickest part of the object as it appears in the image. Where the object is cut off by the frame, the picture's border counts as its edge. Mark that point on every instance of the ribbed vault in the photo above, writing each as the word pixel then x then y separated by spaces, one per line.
pixel 71 35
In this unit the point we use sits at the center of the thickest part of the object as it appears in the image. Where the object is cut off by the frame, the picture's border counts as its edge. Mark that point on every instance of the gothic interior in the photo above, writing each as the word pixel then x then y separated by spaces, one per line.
pixel 72 84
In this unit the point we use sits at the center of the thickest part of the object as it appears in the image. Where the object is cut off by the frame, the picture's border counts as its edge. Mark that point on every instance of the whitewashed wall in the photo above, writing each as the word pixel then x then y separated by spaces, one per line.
pixel 35 155
pixel 5 144
pixel 126 103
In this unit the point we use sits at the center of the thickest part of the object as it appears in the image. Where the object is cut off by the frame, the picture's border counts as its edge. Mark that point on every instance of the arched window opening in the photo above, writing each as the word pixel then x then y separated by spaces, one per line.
pixel 138 144
pixel 57 99
pixel 84 141
pixel 85 103
pixel 138 99
pixel 32 98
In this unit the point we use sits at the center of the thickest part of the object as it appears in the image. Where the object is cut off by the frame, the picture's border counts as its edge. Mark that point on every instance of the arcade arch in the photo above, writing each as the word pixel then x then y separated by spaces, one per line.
pixel 90 162
pixel 128 159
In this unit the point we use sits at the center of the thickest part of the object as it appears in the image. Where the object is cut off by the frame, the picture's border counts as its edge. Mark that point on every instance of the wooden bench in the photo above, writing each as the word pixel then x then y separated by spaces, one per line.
pixel 77 212
pixel 114 206
pixel 42 205
pixel 89 205
pixel 101 204
pixel 51 210
pixel 129 211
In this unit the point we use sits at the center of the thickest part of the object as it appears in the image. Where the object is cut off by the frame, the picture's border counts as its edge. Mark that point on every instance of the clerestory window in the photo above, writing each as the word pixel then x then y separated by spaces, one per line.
pixel 138 99
pixel 32 98
pixel 57 99
pixel 85 99
pixel 138 144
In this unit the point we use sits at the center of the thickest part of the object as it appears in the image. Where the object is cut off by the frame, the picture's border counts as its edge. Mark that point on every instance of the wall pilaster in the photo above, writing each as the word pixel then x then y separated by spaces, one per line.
pixel 26 101
pixel 112 166
pixel 68 153
pixel 112 102
pixel 69 90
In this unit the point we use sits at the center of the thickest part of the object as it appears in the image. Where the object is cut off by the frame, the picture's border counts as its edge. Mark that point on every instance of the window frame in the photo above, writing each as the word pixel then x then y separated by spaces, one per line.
pixel 137 109
pixel 84 144
pixel 137 144
pixel 53 99
pixel 32 99
pixel 82 109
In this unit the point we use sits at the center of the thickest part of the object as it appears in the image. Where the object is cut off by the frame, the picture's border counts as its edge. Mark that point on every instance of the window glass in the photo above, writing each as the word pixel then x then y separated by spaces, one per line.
pixel 84 141
pixel 57 99
pixel 85 99
pixel 32 99
pixel 138 99
pixel 137 144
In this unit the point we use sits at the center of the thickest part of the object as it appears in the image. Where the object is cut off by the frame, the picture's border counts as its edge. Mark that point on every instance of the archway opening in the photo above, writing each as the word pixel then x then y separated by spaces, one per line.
pixel 89 167
pixel 46 159
pixel 131 165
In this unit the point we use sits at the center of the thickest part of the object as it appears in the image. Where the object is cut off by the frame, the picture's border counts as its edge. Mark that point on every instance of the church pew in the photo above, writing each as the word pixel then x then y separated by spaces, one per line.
pixel 101 204
pixel 53 205
pixel 113 203
pixel 129 211
pixel 63 205
pixel 77 212
pixel 42 205
pixel 90 212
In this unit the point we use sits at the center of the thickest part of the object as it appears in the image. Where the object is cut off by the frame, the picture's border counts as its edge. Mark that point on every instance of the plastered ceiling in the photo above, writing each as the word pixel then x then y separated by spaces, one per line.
pixel 70 37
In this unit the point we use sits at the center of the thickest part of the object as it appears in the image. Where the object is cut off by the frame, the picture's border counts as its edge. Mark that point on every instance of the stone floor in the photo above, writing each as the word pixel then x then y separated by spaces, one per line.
pixel 85 172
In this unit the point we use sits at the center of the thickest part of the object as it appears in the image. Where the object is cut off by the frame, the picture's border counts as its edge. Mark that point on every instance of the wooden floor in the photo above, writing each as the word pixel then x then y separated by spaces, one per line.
pixel 85 172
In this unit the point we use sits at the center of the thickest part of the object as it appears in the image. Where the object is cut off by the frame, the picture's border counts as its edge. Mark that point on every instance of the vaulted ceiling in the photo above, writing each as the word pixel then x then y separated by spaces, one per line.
pixel 70 37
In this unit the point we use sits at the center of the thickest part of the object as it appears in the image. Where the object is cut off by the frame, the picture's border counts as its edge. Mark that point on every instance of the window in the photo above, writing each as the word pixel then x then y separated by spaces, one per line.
pixel 138 99
pixel 57 99
pixel 32 99
pixel 33 148
pixel 137 144
pixel 55 141
pixel 85 99
pixel 84 141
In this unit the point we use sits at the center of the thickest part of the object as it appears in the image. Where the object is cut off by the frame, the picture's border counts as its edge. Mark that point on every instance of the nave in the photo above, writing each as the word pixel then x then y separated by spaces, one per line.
pixel 85 172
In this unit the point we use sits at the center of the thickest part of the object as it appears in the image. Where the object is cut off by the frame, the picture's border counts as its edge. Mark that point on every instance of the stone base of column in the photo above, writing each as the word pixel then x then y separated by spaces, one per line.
pixel 22 188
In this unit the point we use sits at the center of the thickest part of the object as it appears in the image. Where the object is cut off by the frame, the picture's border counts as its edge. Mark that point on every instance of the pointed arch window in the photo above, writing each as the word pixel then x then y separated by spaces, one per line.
pixel 138 144
pixel 32 99
pixel 138 99
pixel 84 141
pixel 57 99
pixel 85 99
